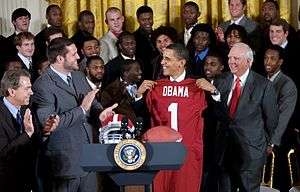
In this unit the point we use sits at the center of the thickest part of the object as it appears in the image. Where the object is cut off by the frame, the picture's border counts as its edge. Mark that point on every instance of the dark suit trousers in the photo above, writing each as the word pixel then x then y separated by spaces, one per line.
pixel 246 180
pixel 86 183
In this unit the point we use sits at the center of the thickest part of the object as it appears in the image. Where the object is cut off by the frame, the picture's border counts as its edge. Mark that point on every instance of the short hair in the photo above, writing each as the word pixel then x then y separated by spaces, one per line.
pixel 217 54
pixel 84 13
pixel 274 2
pixel 40 62
pixel 249 52
pixel 180 51
pixel 22 36
pixel 281 22
pixel 11 80
pixel 127 65
pixel 93 58
pixel 277 48
pixel 192 4
pixel 19 13
pixel 88 38
pixel 240 29
pixel 123 35
pixel 10 60
pixel 165 30
pixel 244 2
pixel 112 9
pixel 143 9
pixel 205 28
pixel 58 47
pixel 50 7
pixel 53 30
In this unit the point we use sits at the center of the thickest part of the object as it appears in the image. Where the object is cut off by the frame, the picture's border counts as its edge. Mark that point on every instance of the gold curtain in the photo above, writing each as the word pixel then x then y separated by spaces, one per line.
pixel 166 12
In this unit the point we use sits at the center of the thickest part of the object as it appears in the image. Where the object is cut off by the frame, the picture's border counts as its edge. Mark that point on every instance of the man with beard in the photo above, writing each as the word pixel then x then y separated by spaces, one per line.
pixel 94 71
pixel 90 46
pixel 62 90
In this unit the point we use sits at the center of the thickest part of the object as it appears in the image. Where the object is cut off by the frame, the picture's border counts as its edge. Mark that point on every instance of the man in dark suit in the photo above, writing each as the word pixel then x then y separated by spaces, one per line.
pixel 127 50
pixel 54 18
pixel 246 107
pixel 145 49
pixel 24 43
pixel 20 18
pixel 283 139
pixel 86 26
pixel 63 90
pixel 18 138
pixel 190 14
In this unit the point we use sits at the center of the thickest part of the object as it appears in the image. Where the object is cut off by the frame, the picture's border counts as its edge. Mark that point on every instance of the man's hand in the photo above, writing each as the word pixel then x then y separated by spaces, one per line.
pixel 146 85
pixel 50 124
pixel 88 99
pixel 27 121
pixel 107 112
pixel 220 34
pixel 205 85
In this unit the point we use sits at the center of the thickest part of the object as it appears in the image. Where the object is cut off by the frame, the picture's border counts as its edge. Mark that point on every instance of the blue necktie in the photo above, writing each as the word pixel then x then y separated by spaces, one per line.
pixel 20 122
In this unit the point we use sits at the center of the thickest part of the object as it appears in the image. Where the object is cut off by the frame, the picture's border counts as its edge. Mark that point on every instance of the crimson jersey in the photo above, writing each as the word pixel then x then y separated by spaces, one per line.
pixel 179 105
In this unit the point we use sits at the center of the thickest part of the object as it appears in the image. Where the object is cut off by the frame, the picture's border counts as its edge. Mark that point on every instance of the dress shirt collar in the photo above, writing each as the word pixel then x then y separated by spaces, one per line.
pixel 272 78
pixel 179 78
pixel 237 21
pixel 284 44
pixel 12 109
pixel 187 34
pixel 202 54
pixel 125 57
pixel 92 85
pixel 243 78
pixel 63 76
pixel 27 61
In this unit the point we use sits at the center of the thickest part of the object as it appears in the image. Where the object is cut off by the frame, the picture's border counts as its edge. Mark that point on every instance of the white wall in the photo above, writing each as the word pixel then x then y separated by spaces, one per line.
pixel 37 8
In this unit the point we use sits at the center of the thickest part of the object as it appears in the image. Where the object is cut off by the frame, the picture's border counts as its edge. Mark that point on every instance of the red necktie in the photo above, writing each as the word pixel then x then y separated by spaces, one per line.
pixel 235 97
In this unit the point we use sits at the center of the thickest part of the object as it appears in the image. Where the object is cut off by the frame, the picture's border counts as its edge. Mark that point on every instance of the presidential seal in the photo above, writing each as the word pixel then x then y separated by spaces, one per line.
pixel 129 154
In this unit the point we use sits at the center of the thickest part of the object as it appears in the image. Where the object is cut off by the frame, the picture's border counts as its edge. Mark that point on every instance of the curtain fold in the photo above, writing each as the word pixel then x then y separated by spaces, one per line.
pixel 166 12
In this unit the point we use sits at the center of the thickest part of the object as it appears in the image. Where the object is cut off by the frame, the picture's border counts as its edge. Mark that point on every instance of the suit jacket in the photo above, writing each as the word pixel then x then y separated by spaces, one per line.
pixel 255 34
pixel 286 92
pixel 113 69
pixel 246 136
pixel 53 96
pixel 10 48
pixel 40 45
pixel 116 92
pixel 17 155
pixel 145 50
pixel 109 48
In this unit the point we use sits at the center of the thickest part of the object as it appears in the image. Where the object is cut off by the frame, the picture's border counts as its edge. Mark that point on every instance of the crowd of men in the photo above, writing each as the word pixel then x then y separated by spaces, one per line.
pixel 237 104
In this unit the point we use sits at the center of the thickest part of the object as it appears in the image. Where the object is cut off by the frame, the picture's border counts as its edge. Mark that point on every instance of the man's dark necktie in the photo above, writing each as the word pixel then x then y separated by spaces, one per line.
pixel 235 98
pixel 20 122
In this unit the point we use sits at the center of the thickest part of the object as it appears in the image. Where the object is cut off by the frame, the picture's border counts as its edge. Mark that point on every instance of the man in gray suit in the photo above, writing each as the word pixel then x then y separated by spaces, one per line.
pixel 63 91
pixel 237 12
pixel 286 92
pixel 246 108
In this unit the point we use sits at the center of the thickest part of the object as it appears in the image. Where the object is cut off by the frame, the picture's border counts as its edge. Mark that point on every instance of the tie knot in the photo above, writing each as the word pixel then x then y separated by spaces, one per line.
pixel 69 79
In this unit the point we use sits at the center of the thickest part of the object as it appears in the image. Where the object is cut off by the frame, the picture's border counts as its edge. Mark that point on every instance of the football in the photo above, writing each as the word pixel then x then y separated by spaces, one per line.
pixel 161 134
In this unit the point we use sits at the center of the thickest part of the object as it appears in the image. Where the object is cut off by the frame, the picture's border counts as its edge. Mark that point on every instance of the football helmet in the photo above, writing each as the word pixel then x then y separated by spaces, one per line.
pixel 111 131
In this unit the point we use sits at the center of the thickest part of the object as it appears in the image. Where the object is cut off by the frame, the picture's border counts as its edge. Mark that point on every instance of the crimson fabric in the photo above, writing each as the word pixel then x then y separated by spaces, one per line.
pixel 165 99
pixel 235 97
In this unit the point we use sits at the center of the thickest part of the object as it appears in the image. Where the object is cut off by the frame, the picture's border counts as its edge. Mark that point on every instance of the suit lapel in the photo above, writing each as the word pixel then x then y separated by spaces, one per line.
pixel 59 82
pixel 9 120
pixel 246 93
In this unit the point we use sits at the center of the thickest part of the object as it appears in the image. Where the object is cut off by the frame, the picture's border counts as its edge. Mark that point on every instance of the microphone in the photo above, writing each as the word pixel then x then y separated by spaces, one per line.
pixel 139 124
pixel 124 127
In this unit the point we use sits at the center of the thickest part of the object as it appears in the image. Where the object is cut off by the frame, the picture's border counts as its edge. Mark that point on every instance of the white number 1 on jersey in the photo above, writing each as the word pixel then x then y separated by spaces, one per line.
pixel 173 109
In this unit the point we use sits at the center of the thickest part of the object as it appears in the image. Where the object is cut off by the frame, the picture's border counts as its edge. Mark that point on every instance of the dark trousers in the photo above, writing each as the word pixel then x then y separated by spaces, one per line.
pixel 247 179
pixel 86 183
